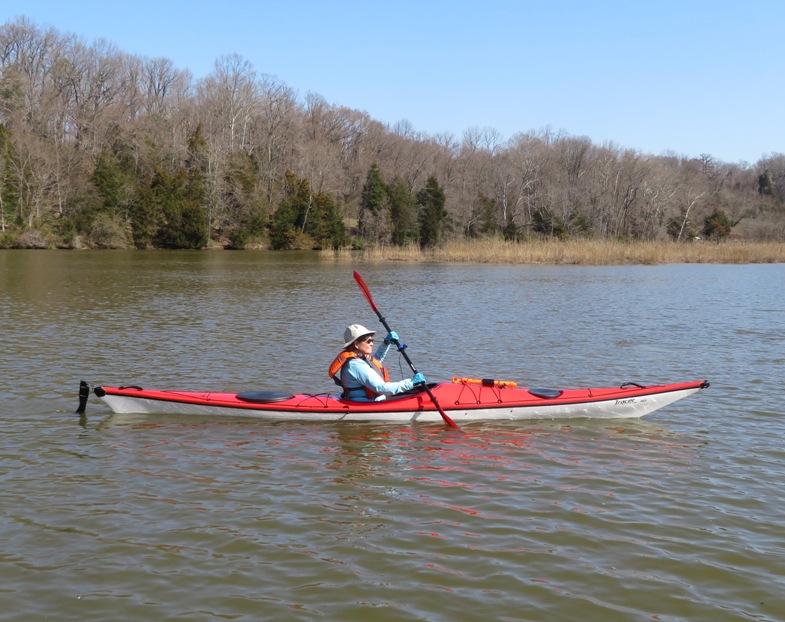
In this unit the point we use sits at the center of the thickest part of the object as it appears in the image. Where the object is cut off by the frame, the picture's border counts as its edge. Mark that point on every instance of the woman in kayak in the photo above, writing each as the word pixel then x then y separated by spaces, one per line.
pixel 359 371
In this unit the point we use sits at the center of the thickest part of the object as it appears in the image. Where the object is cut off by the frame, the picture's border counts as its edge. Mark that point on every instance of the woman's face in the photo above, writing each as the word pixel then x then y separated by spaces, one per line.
pixel 364 345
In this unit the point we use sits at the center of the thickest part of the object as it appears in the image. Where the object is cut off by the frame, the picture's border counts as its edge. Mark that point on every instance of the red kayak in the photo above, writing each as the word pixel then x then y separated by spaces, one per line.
pixel 464 400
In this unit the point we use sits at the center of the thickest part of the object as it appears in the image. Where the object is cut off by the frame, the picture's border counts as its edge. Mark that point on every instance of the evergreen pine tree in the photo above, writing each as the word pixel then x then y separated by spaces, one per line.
pixel 326 224
pixel 403 213
pixel 290 219
pixel 432 215
pixel 9 191
pixel 373 221
pixel 717 225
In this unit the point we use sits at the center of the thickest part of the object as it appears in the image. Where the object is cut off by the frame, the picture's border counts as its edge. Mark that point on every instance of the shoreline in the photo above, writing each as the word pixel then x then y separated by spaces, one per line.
pixel 575 252
pixel 582 252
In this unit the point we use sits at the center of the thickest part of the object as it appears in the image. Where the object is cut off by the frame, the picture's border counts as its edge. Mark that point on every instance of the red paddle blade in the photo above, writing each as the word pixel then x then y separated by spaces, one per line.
pixel 366 292
pixel 447 419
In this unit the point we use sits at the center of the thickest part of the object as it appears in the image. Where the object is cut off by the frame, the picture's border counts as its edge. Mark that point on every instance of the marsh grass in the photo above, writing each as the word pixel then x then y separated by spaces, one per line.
pixel 576 252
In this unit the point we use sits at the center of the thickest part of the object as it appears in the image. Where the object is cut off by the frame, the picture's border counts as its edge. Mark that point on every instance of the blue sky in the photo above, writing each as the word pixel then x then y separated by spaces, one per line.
pixel 661 76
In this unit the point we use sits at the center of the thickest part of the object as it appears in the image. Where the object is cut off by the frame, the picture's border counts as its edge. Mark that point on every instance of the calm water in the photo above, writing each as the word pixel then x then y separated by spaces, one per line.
pixel 679 516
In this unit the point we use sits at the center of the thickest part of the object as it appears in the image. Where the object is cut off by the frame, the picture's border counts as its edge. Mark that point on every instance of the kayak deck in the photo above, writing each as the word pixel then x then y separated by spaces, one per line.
pixel 462 401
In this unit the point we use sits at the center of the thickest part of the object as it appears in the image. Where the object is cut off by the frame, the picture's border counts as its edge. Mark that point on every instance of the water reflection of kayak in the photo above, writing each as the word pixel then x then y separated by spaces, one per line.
pixel 464 400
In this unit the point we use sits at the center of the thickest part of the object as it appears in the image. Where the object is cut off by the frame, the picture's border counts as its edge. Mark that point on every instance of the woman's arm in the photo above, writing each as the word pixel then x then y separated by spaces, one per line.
pixel 363 373
pixel 382 351
pixel 384 346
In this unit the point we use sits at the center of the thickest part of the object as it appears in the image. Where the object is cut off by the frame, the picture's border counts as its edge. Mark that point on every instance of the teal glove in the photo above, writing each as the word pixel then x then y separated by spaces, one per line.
pixel 418 379
pixel 391 337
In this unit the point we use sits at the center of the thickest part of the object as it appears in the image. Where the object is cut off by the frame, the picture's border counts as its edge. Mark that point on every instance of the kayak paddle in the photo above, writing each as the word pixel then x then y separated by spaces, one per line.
pixel 367 293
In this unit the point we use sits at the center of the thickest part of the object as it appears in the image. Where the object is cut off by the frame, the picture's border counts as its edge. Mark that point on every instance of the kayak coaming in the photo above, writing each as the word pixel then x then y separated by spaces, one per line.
pixel 463 402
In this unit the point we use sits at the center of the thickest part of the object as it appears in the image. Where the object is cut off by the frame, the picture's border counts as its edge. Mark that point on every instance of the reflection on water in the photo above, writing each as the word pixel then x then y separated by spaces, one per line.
pixel 673 517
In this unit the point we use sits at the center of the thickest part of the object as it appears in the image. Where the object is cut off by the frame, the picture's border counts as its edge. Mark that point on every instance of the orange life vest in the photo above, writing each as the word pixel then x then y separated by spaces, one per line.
pixel 344 357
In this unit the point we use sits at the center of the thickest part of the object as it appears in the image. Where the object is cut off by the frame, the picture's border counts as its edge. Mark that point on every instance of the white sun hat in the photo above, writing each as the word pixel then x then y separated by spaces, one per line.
pixel 354 332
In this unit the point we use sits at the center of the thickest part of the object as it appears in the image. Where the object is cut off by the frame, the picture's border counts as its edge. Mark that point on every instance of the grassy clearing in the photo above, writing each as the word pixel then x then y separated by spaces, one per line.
pixel 577 252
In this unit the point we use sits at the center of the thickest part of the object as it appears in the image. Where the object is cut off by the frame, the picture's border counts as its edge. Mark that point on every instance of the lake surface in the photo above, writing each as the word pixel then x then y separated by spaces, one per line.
pixel 678 516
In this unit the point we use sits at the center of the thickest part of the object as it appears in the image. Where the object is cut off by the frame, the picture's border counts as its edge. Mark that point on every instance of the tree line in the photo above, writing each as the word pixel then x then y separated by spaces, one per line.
pixel 103 149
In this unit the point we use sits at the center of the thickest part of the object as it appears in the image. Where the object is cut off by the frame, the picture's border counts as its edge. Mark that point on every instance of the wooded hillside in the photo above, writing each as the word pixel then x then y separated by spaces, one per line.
pixel 103 149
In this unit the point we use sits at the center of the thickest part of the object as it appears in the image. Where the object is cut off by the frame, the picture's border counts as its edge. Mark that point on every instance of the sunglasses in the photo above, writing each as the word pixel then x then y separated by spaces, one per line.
pixel 368 340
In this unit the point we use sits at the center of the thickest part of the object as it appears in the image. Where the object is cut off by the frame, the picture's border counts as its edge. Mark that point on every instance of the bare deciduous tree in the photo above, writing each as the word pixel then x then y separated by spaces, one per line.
pixel 66 106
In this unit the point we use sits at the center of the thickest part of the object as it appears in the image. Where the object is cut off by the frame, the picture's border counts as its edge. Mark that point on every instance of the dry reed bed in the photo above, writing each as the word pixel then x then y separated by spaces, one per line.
pixel 577 252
